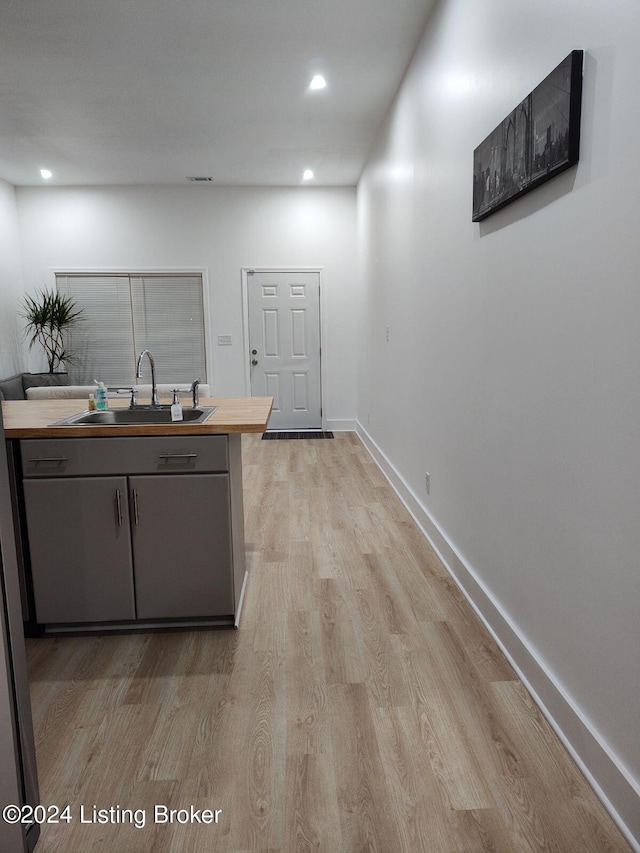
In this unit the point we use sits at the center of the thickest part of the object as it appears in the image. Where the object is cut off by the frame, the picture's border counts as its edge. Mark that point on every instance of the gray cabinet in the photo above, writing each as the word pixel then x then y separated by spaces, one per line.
pixel 182 545
pixel 80 549
pixel 130 529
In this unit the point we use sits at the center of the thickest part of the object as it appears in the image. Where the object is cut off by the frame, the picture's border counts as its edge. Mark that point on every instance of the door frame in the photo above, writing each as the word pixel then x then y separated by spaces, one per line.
pixel 246 273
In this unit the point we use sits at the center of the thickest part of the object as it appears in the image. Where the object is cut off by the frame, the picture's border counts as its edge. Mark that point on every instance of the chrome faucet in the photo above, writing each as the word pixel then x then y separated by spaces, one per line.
pixel 154 386
pixel 194 391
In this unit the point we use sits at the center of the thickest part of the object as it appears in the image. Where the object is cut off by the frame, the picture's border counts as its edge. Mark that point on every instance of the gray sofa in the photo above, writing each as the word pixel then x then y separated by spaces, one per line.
pixel 47 386
pixel 15 387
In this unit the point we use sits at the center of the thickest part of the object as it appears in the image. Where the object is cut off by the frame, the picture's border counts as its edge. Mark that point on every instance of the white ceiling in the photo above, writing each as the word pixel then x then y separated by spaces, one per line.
pixel 154 91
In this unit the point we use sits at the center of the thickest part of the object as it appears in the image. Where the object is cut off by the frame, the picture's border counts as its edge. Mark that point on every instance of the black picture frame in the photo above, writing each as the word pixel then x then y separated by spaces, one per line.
pixel 537 140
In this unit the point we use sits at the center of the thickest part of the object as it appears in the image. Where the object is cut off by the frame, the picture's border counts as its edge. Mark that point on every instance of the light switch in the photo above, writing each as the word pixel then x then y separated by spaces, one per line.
pixel 224 340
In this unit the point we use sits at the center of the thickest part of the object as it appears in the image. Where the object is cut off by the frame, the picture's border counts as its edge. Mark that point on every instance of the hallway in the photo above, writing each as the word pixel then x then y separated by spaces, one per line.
pixel 361 706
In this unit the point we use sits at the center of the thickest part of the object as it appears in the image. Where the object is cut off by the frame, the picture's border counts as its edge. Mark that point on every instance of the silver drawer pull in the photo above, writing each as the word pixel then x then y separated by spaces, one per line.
pixel 136 515
pixel 177 456
pixel 48 459
pixel 119 507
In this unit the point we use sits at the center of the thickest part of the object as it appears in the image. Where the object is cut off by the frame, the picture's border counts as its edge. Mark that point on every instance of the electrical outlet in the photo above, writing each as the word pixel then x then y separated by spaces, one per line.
pixel 428 482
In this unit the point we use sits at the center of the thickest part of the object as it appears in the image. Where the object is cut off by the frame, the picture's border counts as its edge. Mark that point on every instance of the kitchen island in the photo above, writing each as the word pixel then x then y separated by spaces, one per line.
pixel 129 526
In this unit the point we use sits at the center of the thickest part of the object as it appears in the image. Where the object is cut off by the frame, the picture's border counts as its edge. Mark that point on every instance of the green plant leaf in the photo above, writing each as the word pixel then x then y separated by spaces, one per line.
pixel 49 316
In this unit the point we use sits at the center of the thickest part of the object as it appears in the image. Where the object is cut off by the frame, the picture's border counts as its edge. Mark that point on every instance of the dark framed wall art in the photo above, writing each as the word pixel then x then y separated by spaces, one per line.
pixel 539 139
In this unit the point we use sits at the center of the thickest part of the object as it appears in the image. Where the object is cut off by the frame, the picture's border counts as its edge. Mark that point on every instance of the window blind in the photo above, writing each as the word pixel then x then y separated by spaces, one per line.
pixel 124 314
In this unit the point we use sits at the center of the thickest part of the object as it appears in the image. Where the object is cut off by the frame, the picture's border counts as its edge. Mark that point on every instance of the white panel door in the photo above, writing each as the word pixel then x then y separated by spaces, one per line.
pixel 284 346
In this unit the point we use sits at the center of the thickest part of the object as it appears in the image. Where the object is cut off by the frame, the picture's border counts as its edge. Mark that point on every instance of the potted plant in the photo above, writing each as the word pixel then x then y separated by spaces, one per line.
pixel 49 317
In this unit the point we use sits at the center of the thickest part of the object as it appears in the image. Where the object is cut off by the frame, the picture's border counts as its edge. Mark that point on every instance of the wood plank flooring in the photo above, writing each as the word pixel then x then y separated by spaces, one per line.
pixel 360 708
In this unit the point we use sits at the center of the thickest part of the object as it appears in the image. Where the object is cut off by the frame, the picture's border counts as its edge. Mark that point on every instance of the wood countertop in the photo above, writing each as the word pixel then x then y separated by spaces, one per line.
pixel 34 419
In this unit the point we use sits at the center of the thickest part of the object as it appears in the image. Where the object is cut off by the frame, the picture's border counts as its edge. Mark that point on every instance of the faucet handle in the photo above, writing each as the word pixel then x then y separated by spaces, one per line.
pixel 176 396
pixel 134 398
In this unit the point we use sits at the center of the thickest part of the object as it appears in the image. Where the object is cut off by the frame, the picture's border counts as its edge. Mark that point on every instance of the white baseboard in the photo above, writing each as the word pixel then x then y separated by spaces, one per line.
pixel 614 785
pixel 338 425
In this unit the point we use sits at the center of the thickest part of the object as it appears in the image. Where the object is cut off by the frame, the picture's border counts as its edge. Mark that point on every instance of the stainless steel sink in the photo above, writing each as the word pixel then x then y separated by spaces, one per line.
pixel 139 415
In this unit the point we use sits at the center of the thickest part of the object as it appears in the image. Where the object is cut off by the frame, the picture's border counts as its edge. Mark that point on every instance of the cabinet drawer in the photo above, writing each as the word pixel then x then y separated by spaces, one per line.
pixel 72 457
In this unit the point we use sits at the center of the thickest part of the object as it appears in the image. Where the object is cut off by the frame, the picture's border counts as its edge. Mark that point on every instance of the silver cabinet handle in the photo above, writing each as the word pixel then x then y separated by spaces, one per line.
pixel 119 507
pixel 136 516
pixel 48 459
pixel 177 456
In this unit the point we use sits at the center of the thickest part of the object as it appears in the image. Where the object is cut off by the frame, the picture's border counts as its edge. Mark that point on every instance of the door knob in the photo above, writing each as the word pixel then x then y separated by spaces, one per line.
pixel 254 361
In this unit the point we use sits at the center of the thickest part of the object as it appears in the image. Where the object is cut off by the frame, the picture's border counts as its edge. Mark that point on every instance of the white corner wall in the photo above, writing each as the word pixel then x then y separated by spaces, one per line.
pixel 220 230
pixel 503 357
pixel 12 349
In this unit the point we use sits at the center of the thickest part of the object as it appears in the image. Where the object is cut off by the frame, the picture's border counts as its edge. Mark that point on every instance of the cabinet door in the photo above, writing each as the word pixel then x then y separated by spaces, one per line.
pixel 182 545
pixel 80 547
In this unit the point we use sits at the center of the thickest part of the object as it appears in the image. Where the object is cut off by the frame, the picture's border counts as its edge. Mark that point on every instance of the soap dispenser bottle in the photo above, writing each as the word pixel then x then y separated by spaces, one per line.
pixel 101 397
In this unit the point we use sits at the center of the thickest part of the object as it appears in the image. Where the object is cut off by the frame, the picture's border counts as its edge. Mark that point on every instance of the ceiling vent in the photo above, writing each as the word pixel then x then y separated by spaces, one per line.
pixel 197 180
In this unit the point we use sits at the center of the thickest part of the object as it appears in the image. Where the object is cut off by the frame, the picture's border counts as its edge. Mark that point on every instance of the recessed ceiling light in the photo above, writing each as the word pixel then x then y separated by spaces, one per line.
pixel 318 82
pixel 46 174
pixel 307 175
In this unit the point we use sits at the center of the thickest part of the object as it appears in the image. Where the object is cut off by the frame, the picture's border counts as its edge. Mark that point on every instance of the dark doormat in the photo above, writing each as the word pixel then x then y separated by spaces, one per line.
pixel 276 436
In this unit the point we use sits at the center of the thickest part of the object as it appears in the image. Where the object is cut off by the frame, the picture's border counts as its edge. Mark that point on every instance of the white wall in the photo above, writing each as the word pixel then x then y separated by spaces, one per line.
pixel 512 369
pixel 12 352
pixel 221 230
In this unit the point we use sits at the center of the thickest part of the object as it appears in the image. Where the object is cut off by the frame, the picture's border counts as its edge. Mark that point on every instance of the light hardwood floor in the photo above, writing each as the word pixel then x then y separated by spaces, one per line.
pixel 360 707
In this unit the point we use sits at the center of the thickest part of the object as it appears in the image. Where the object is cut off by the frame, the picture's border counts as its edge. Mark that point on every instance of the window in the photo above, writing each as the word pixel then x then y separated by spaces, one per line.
pixel 126 313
